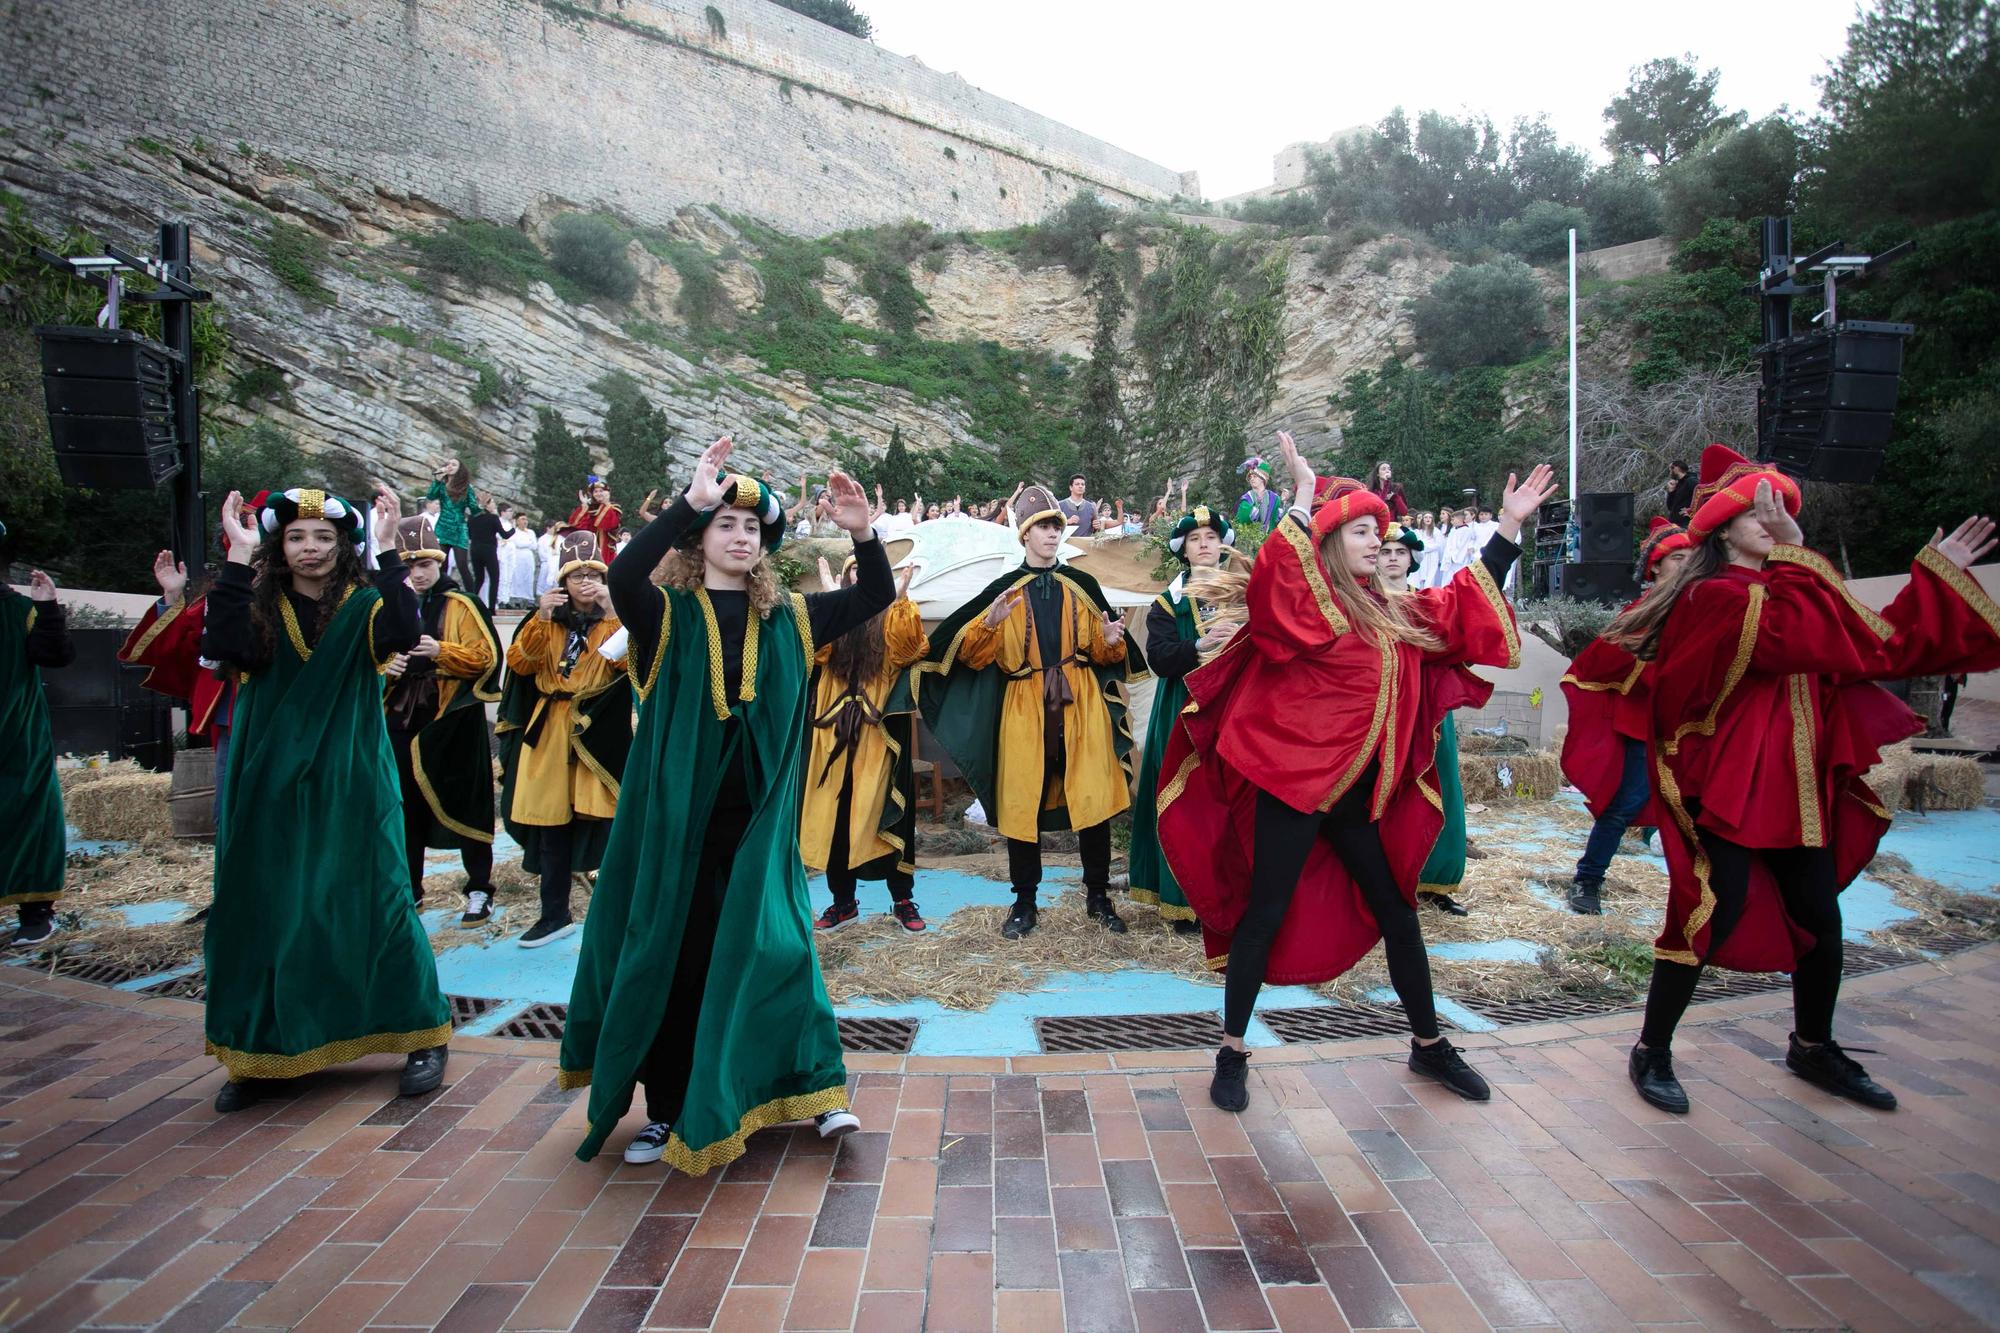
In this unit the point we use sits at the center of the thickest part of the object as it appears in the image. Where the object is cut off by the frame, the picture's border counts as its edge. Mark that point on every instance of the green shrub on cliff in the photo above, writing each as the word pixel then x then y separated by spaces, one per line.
pixel 1480 315
pixel 589 250
pixel 834 14
pixel 297 256
pixel 483 254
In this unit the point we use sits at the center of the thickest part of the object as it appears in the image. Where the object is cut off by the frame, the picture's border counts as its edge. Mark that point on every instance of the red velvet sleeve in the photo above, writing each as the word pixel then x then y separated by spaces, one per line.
pixel 1809 623
pixel 1473 618
pixel 1291 608
pixel 169 646
pixel 1944 622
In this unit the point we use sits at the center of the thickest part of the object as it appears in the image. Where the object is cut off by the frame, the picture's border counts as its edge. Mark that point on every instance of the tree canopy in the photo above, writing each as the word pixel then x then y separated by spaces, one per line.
pixel 1667 109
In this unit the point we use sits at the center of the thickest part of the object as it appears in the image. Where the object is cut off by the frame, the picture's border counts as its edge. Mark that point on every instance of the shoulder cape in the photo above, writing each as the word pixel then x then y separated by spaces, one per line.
pixel 601 738
pixel 450 756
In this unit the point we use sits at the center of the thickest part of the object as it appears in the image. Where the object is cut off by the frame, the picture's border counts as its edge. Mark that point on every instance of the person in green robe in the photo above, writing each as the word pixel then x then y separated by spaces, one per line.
pixel 1444 871
pixel 697 975
pixel 314 952
pixel 1180 631
pixel 33 635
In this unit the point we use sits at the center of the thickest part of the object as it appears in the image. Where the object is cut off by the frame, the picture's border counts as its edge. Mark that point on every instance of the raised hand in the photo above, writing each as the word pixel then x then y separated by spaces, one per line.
pixel 549 603
pixel 848 504
pixel 827 583
pixel 388 513
pixel 242 537
pixel 1519 502
pixel 41 588
pixel 1770 511
pixel 1302 473
pixel 903 577
pixel 1968 542
pixel 705 491
pixel 1003 606
pixel 171 576
pixel 1114 629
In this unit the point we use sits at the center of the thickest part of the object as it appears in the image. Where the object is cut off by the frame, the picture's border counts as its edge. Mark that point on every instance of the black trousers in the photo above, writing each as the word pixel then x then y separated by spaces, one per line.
pixel 1809 884
pixel 461 560
pixel 558 858
pixel 484 584
pixel 671 1059
pixel 1024 857
pixel 1284 840
pixel 476 856
pixel 841 877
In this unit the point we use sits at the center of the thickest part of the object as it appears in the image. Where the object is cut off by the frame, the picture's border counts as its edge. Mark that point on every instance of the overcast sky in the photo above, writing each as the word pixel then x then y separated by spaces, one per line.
pixel 1221 87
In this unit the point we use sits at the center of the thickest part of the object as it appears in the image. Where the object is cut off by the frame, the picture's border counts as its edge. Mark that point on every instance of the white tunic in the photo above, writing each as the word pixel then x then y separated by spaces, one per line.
pixel 519 564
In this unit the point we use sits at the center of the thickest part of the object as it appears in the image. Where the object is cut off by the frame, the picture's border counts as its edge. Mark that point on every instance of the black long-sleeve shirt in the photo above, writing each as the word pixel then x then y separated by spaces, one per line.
pixel 49 643
pixel 484 531
pixel 230 635
pixel 638 603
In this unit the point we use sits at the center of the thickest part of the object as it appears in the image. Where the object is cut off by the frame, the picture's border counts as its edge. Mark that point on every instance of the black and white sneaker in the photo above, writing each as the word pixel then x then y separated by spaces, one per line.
pixel 1020 923
pixel 1097 906
pixel 1441 1061
pixel 1839 1073
pixel 1583 899
pixel 546 931
pixel 649 1143
pixel 478 907
pixel 36 931
pixel 833 1124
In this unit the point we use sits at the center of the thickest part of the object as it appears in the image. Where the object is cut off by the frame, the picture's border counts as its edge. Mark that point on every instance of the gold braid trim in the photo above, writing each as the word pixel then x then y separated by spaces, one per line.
pixel 1820 565
pixel 569 1080
pixel 1491 591
pixel 950 659
pixel 1169 912
pixel 244 1065
pixel 1746 644
pixel 718 689
pixel 1618 686
pixel 1172 791
pixel 138 649
pixel 1438 890
pixel 1301 546
pixel 1798 693
pixel 1387 784
pixel 1670 792
pixel 753 633
pixel 1142 895
pixel 14 899
pixel 778 1111
pixel 802 618
pixel 298 637
pixel 659 650
pixel 1964 585
pixel 32 613
pixel 431 796
pixel 1217 963
pixel 1384 691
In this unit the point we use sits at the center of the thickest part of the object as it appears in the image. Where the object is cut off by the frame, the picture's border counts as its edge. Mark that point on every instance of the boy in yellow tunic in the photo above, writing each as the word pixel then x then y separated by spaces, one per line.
pixel 565 727
pixel 860 811
pixel 1025 689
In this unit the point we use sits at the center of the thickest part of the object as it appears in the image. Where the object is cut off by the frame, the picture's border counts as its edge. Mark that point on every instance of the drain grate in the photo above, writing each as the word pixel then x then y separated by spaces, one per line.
pixel 1717 983
pixel 1339 1022
pixel 193 986
pixel 465 1008
pixel 103 971
pixel 1546 1009
pixel 540 1022
pixel 1128 1032
pixel 887 1036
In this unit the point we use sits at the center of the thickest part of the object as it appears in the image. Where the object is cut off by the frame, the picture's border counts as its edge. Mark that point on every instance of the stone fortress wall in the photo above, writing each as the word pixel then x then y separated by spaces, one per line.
pixel 639 106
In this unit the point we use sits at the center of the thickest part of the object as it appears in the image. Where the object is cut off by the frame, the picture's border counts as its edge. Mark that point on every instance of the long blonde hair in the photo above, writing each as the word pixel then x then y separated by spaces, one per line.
pixel 685 570
pixel 1368 613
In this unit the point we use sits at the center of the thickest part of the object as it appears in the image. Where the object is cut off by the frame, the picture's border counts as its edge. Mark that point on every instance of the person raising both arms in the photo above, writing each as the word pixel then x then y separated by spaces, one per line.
pixel 33 635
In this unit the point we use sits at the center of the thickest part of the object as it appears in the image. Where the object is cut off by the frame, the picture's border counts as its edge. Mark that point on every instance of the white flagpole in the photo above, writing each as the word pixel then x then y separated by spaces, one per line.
pixel 1572 365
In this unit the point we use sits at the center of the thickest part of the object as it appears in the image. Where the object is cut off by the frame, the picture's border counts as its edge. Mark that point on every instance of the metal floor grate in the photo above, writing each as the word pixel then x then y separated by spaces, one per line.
pixel 193 986
pixel 1339 1022
pixel 540 1022
pixel 1129 1032
pixel 885 1036
pixel 103 971
pixel 1547 1009
pixel 465 1008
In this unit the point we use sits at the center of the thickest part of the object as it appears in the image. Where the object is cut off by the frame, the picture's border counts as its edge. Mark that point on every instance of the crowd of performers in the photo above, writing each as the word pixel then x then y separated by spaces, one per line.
pixel 677 722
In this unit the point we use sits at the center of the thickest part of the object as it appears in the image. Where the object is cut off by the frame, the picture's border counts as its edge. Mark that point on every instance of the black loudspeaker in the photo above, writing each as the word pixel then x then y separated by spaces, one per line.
pixel 1604 526
pixel 1826 406
pixel 110 402
pixel 98 705
pixel 1607 581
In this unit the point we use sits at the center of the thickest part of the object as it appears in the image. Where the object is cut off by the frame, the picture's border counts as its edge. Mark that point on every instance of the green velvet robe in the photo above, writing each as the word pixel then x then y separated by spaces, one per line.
pixel 31 855
pixel 1444 871
pixel 766 1048
pixel 1152 879
pixel 314 952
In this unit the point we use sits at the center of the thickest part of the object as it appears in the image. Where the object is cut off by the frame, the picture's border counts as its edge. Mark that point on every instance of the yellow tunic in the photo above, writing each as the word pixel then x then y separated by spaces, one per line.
pixel 874 763
pixel 466 651
pixel 554 782
pixel 1094 784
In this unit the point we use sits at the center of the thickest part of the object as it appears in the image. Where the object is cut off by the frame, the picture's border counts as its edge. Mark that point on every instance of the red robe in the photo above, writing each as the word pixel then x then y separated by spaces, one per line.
pixel 1610 702
pixel 1764 718
pixel 1296 706
pixel 169 647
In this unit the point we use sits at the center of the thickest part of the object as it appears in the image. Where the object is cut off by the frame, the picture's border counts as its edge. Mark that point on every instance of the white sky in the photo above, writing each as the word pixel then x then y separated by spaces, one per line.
pixel 1221 87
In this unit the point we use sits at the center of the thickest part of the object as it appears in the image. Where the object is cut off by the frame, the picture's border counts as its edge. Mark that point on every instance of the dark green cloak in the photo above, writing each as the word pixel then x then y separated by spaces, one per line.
pixel 451 757
pixel 314 952
pixel 961 705
pixel 1152 879
pixel 31 855
pixel 766 1047
pixel 1445 870
pixel 601 729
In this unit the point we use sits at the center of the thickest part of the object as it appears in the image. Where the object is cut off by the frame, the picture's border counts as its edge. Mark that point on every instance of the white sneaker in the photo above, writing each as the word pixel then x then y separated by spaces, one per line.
pixel 647 1145
pixel 478 907
pixel 832 1124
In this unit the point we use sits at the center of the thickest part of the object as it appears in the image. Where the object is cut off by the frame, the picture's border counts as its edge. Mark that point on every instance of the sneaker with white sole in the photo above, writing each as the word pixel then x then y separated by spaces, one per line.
pixel 34 931
pixel 478 907
pixel 649 1143
pixel 832 1124
pixel 546 931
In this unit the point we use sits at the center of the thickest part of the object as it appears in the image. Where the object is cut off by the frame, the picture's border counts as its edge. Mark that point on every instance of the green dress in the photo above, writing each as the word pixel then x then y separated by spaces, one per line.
pixel 451 530
pixel 31 855
pixel 766 1047
pixel 1445 870
pixel 1152 880
pixel 314 952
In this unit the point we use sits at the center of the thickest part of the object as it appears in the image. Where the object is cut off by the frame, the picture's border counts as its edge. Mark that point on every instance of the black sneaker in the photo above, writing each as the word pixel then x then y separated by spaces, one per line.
pixel 649 1144
pixel 234 1096
pixel 1583 898
pixel 1445 903
pixel 546 931
pixel 837 914
pixel 34 931
pixel 478 907
pixel 1652 1072
pixel 1098 908
pixel 1187 927
pixel 1020 922
pixel 1230 1088
pixel 1440 1060
pixel 1833 1069
pixel 423 1071
pixel 911 919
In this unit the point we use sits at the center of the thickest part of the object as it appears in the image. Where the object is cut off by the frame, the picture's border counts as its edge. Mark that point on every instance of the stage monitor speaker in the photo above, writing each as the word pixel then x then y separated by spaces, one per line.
pixel 1604 526
pixel 1607 581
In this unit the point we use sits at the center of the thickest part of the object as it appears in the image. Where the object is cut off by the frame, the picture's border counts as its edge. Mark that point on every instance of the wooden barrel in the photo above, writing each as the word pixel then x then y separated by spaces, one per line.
pixel 191 796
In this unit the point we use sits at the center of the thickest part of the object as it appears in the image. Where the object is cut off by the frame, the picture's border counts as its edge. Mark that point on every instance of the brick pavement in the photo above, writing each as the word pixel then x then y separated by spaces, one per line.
pixel 1042 1192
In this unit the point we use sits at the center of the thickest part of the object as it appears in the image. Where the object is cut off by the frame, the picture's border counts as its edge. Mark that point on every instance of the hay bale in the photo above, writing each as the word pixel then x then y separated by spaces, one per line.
pixel 125 807
pixel 1889 779
pixel 79 775
pixel 1535 776
pixel 1909 779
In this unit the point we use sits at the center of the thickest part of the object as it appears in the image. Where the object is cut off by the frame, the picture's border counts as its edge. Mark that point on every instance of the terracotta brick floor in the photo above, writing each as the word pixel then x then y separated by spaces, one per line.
pixel 1051 1192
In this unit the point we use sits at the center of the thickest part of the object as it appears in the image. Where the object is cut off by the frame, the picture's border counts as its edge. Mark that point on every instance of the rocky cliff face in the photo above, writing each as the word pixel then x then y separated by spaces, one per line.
pixel 388 373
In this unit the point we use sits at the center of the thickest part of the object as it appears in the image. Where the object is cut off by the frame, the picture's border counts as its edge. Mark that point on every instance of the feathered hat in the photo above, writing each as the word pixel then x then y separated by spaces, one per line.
pixel 1728 487
pixel 576 551
pixel 741 492
pixel 1033 505
pixel 1663 538
pixel 282 507
pixel 1255 465
pixel 1407 535
pixel 1345 500
pixel 416 539
pixel 1201 516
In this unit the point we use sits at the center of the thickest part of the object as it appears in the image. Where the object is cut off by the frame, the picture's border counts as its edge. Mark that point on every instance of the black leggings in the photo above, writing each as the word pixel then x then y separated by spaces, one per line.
pixel 461 560
pixel 1284 840
pixel 1024 856
pixel 1809 884
pixel 485 583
